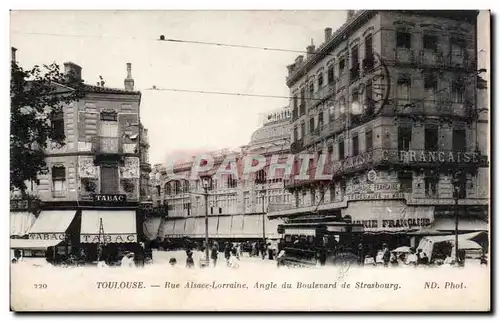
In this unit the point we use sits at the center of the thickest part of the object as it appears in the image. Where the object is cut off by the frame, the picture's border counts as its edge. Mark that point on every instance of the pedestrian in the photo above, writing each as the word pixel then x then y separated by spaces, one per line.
pixel 233 261
pixel 263 250
pixel 419 256
pixel 227 252
pixel 215 254
pixel 386 256
pixel 189 260
pixel 270 250
pixel 172 261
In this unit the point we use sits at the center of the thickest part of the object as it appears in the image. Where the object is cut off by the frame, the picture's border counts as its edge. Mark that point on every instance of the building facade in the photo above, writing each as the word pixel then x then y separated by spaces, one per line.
pixel 237 207
pixel 391 100
pixel 96 180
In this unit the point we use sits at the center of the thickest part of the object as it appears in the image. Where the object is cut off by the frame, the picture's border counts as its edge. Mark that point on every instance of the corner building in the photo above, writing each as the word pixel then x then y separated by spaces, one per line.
pixel 394 101
pixel 95 183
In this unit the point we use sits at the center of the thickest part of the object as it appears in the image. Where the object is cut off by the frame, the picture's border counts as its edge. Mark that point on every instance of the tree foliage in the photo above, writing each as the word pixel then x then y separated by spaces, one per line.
pixel 36 95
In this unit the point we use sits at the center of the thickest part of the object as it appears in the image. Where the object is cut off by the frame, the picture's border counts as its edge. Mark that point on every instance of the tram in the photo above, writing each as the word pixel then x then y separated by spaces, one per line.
pixel 309 242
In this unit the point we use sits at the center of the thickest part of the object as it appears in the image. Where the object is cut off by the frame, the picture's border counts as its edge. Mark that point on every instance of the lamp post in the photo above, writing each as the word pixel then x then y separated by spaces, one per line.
pixel 456 189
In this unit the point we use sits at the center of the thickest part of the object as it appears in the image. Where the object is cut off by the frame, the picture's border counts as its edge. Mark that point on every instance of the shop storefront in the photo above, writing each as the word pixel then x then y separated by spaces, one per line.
pixel 53 235
pixel 107 234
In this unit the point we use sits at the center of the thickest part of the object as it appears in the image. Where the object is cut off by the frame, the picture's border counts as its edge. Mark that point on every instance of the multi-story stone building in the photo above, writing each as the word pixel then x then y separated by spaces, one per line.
pixel 92 191
pixel 390 98
pixel 236 206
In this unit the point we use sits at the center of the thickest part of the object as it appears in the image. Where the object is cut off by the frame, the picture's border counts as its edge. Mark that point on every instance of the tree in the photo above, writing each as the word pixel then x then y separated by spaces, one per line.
pixel 36 95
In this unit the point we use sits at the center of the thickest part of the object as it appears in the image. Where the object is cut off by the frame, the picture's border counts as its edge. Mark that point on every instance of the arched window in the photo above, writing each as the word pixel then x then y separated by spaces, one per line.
pixel 186 187
pixel 168 188
pixel 177 187
pixel 260 177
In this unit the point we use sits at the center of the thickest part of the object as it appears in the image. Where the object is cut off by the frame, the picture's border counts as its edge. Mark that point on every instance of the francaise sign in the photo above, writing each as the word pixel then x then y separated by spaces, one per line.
pixel 110 198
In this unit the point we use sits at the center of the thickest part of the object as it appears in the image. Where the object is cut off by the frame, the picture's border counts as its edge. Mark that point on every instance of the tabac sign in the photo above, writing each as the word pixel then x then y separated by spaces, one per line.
pixel 108 238
pixel 109 198
pixel 48 236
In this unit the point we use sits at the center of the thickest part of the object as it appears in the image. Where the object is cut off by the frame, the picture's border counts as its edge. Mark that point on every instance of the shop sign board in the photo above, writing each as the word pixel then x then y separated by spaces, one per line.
pixel 108 238
pixel 110 198
pixel 375 196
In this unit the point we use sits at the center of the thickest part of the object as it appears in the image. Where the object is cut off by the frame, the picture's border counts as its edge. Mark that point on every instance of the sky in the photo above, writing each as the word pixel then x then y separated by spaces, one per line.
pixel 102 42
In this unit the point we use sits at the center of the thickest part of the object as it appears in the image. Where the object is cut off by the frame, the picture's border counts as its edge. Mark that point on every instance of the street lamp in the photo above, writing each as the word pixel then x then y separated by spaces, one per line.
pixel 206 184
pixel 263 191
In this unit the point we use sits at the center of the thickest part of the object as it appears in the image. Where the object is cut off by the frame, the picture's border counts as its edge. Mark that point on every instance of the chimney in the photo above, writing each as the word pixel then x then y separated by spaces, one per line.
pixel 129 81
pixel 310 49
pixel 299 60
pixel 13 54
pixel 72 72
pixel 328 33
pixel 350 14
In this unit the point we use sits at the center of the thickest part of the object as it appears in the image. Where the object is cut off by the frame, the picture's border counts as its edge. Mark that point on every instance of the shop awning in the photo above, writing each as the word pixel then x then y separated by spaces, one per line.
pixel 168 228
pixel 213 222
pixel 199 227
pixel 179 227
pixel 224 229
pixel 117 227
pixel 32 244
pixel 151 227
pixel 464 224
pixel 252 226
pixel 189 229
pixel 237 226
pixel 21 223
pixel 51 223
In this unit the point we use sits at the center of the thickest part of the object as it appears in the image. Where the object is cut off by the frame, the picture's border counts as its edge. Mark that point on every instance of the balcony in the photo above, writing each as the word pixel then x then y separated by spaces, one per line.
pixel 431 58
pixel 297 146
pixel 404 56
pixel 30 204
pixel 107 145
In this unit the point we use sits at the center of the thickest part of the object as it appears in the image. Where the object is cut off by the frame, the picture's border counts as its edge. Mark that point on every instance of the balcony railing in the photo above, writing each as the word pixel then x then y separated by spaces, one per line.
pixel 429 58
pixel 429 107
pixel 297 145
pixel 28 204
pixel 107 145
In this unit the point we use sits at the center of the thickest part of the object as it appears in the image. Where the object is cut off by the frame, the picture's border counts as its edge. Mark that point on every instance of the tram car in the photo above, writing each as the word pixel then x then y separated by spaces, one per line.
pixel 309 243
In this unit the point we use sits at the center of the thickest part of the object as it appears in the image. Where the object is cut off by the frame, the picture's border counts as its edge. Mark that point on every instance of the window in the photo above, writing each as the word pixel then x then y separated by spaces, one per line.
pixel 457 92
pixel 330 74
pixel 459 143
pixel 302 130
pixel 311 88
pixel 311 124
pixel 168 189
pixel 460 191
pixel 404 90
pixel 186 187
pixel 341 66
pixel 341 150
pixel 320 79
pixel 260 177
pixel 403 40
pixel 369 140
pixel 430 85
pixel 355 56
pixel 368 46
pixel 109 180
pixel 57 124
pixel 313 196
pixel 295 134
pixel 297 199
pixel 355 145
pixel 404 138
pixel 431 182
pixel 430 42
pixel 406 181
pixel 431 138
pixel 231 182
pixel 320 120
pixel 295 106
pixel 332 191
pixel 457 47
pixel 158 190
pixel 58 181
pixel 302 100
pixel 187 207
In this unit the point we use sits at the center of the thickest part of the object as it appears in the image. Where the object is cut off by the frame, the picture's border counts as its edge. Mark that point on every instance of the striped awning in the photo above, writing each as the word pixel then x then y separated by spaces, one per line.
pixel 224 229
pixel 21 223
pixel 151 227
pixel 237 226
